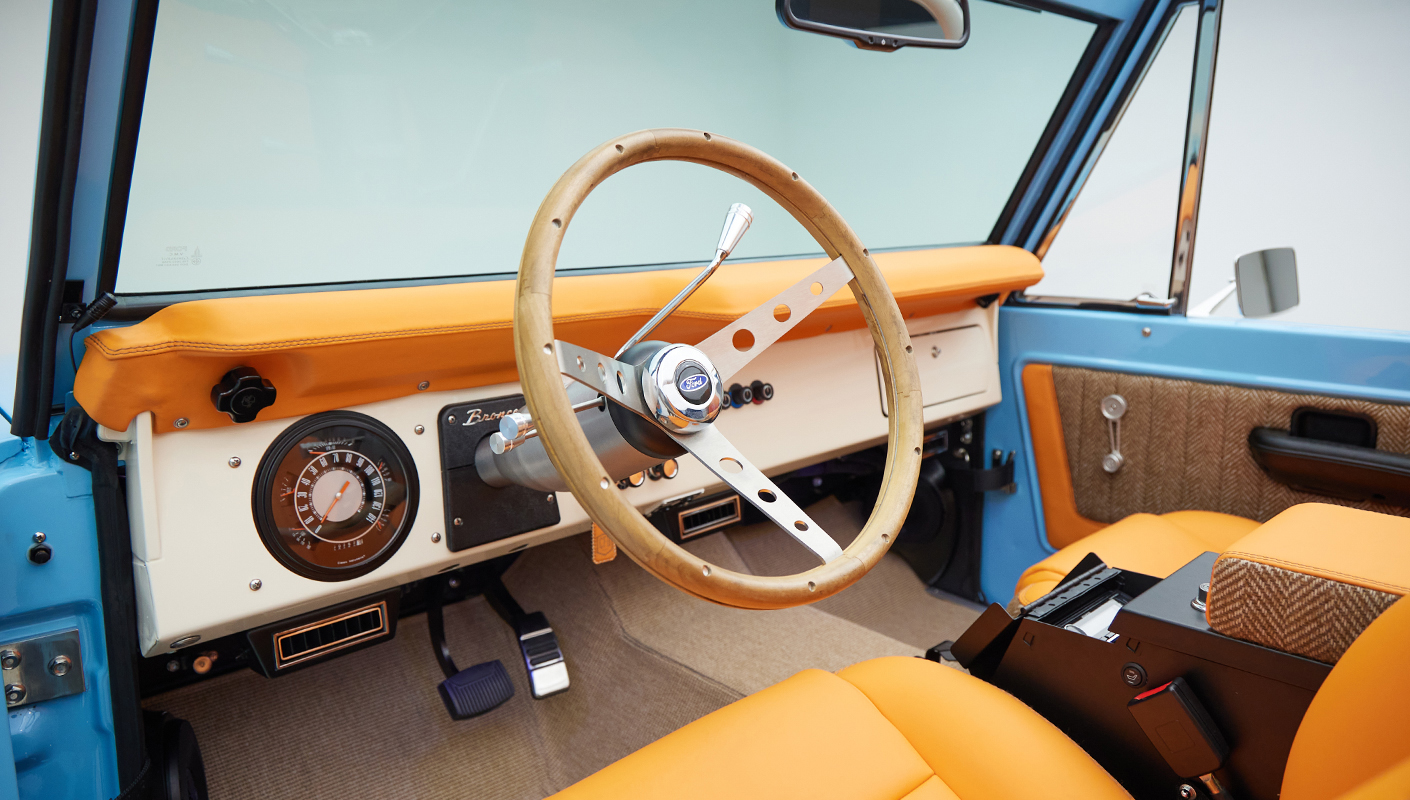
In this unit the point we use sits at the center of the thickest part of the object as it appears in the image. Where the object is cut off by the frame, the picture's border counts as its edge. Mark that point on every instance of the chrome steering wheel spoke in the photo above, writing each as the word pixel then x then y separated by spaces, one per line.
pixel 765 327
pixel 616 380
pixel 724 459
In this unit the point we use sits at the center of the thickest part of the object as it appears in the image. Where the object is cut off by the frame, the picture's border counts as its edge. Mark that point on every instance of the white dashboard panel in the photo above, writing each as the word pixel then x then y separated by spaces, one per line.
pixel 197 552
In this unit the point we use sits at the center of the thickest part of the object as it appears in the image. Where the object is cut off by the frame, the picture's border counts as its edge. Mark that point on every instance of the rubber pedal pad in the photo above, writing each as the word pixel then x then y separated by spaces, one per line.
pixel 476 690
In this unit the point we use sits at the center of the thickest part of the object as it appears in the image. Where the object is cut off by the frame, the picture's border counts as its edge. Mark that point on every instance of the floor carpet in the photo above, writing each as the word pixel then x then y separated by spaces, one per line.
pixel 645 659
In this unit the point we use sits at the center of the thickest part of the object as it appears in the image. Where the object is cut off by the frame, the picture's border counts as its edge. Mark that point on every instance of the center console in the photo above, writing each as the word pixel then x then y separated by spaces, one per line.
pixel 1089 653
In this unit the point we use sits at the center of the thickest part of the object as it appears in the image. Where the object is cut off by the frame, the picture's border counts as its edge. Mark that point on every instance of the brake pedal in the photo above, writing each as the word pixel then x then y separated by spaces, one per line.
pixel 468 692
pixel 476 690
pixel 548 672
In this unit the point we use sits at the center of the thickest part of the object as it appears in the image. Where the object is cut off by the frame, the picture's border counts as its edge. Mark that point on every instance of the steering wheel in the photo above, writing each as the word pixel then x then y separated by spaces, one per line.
pixel 654 390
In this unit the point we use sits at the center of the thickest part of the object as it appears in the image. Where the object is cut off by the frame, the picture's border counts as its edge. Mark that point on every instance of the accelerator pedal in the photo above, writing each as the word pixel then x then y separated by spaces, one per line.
pixel 548 672
pixel 476 690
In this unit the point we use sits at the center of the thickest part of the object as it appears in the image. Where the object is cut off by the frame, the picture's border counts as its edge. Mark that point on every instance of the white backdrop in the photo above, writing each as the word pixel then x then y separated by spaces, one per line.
pixel 1308 149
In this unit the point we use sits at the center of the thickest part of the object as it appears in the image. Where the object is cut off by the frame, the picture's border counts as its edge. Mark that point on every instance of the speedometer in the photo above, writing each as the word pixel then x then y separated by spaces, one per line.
pixel 335 496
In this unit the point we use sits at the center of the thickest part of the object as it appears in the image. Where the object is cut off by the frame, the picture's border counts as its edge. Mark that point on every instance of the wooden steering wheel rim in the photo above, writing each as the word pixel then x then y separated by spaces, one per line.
pixel 568 447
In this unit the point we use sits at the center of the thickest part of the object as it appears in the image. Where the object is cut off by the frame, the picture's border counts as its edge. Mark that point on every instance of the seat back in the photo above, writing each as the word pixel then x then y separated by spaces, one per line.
pixel 1358 726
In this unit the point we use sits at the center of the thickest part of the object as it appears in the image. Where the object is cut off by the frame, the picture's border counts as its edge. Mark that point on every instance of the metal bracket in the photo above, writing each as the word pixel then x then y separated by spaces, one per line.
pixel 999 477
pixel 41 668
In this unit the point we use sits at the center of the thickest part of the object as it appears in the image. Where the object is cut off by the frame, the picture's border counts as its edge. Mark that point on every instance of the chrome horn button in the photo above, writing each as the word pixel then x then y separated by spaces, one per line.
pixel 682 388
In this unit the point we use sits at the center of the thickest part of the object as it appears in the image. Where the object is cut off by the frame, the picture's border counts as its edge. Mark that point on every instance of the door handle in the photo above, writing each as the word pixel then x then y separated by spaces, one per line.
pixel 1345 471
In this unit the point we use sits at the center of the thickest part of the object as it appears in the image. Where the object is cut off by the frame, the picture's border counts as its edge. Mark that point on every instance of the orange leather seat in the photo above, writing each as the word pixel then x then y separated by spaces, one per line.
pixel 888 728
pixel 1354 739
pixel 1145 543
pixel 904 728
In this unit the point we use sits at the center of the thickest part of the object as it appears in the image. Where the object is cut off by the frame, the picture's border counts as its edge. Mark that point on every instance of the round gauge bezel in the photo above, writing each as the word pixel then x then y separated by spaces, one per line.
pixel 262 495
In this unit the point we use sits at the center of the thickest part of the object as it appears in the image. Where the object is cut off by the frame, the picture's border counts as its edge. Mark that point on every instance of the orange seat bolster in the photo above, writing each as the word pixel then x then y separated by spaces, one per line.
pixel 1356 733
pixel 1145 543
pixel 969 733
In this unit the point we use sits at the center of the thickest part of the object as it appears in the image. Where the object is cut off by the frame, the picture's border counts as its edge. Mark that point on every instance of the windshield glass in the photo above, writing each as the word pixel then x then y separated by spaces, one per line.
pixel 296 142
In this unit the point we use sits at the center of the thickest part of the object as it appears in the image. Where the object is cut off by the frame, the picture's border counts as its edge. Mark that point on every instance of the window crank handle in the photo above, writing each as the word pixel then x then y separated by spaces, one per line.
pixel 1113 408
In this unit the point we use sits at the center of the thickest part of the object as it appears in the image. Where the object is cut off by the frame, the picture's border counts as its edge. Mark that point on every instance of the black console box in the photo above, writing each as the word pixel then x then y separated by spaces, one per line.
pixel 1255 696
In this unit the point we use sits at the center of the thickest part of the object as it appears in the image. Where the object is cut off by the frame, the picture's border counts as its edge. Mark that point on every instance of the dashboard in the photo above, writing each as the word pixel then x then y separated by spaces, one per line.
pixel 242 526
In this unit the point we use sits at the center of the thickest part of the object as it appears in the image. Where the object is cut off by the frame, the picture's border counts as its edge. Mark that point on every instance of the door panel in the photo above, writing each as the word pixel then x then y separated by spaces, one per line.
pixel 1222 378
pixel 1185 445
pixel 1064 523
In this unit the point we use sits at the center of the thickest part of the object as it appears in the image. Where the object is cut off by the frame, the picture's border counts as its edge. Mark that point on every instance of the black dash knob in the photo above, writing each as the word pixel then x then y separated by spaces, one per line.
pixel 762 391
pixel 740 395
pixel 242 394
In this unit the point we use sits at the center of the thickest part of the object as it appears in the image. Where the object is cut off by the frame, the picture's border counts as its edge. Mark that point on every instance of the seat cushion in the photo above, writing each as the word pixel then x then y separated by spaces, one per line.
pixel 1145 543
pixel 888 728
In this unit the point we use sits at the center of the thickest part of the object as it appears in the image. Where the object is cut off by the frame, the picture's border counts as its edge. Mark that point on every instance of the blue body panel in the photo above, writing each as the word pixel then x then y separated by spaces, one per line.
pixel 1373 365
pixel 62 748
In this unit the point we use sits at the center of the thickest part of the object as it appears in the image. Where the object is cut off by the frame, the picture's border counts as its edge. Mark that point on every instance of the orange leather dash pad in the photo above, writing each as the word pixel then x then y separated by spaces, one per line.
pixel 329 350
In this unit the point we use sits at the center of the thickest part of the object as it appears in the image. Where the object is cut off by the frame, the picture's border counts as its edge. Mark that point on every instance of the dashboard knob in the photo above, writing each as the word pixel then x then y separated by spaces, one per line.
pixel 242 394
pixel 740 395
pixel 762 391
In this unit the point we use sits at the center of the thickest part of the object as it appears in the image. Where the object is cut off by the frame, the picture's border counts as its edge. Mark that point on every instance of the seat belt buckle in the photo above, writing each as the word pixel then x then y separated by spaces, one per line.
pixel 1180 729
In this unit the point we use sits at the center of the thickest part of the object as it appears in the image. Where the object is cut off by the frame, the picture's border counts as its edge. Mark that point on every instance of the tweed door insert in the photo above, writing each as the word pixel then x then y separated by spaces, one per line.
pixel 1186 445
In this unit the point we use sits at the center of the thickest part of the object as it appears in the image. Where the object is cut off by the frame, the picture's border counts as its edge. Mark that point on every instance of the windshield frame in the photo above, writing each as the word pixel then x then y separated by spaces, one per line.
pixel 139 305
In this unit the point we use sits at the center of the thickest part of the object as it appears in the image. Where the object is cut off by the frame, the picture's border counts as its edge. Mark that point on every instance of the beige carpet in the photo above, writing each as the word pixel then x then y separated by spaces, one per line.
pixel 890 600
pixel 744 650
pixel 645 659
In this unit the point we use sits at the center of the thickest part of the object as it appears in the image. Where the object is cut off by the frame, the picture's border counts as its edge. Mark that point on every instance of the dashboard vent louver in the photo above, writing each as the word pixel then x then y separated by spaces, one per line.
pixel 326 636
pixel 711 516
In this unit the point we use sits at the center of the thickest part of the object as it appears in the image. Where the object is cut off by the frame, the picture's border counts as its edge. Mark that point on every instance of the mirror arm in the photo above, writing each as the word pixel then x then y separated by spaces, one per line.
pixel 1208 306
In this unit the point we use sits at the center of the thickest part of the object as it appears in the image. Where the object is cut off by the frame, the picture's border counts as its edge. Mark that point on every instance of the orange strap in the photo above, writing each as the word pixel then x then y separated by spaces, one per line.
pixel 603 548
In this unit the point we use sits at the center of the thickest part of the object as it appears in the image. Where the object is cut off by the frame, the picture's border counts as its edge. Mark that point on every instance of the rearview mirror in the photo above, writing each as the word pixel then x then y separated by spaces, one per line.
pixel 1267 281
pixel 882 24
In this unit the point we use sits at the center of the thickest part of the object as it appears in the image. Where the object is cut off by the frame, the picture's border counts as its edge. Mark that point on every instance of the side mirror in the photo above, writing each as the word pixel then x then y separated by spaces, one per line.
pixel 882 24
pixel 1267 281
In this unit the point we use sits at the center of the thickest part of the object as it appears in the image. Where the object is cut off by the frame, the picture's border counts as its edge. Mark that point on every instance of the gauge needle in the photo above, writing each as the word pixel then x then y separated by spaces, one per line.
pixel 336 498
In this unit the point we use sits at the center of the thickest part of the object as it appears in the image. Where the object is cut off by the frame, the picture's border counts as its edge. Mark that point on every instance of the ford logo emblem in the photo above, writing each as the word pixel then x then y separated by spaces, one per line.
pixel 691 383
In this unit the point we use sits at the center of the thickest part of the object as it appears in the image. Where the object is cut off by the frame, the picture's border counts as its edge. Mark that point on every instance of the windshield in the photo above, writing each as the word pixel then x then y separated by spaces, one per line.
pixel 294 142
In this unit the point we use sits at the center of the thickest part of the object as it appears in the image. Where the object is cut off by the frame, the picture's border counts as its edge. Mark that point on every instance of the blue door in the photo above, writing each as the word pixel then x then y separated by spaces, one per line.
pixel 1139 302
